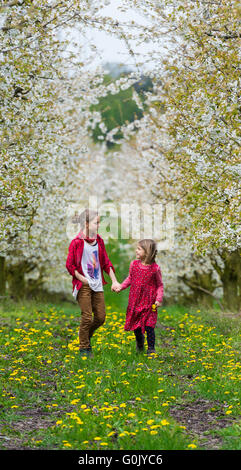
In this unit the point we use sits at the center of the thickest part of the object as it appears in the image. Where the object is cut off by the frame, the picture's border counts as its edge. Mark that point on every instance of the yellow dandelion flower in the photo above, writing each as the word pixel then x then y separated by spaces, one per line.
pixel 73 402
pixel 164 422
pixel 67 444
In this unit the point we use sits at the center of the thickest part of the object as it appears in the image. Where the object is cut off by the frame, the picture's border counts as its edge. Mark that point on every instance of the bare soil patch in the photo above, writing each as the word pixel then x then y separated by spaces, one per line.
pixel 200 418
pixel 16 434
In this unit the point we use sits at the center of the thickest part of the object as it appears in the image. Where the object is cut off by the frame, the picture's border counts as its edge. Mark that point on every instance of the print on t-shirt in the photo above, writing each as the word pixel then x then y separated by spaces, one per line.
pixel 93 269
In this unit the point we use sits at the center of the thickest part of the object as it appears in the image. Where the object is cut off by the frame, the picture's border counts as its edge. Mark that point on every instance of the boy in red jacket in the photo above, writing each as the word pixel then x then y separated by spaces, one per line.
pixel 86 260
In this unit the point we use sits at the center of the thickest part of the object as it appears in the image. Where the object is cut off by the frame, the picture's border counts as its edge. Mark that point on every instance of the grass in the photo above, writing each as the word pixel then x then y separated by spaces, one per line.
pixel 187 396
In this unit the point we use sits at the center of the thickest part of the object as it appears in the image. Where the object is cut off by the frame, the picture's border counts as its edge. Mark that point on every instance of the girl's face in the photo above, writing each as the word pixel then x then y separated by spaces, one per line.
pixel 93 225
pixel 140 252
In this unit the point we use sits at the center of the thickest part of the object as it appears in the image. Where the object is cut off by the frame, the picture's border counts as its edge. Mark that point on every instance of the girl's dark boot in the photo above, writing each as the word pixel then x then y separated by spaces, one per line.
pixel 140 338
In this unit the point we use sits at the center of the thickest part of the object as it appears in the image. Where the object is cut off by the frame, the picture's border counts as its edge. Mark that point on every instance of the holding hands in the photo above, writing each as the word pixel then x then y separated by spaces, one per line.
pixel 116 286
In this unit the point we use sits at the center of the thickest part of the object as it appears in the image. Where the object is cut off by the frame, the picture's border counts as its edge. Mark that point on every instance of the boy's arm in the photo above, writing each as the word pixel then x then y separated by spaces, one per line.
pixel 112 275
pixel 107 264
pixel 70 262
pixel 71 267
pixel 81 277
pixel 109 269
pixel 115 284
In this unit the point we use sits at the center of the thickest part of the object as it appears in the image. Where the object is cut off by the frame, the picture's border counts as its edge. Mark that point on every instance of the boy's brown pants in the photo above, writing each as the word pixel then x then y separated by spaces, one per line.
pixel 90 301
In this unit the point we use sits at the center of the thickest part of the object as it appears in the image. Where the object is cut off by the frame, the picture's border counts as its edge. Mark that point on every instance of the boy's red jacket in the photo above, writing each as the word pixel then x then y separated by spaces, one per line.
pixel 74 257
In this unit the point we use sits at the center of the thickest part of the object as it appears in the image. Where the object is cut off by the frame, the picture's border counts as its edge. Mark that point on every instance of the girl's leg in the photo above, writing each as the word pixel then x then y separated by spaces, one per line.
pixel 139 339
pixel 150 338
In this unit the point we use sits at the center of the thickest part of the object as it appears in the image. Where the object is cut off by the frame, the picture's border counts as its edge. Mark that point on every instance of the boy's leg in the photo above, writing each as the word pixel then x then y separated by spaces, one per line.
pixel 139 339
pixel 84 301
pixel 150 338
pixel 98 306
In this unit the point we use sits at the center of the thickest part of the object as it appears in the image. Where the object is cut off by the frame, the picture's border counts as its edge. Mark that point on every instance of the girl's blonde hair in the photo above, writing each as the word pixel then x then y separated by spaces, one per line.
pixel 149 246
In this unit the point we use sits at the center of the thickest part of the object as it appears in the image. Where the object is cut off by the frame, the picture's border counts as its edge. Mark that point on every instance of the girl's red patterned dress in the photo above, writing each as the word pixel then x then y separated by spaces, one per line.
pixel 146 287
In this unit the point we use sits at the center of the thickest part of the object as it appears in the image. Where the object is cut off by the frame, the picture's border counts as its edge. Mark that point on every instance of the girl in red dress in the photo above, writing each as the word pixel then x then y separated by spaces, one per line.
pixel 146 294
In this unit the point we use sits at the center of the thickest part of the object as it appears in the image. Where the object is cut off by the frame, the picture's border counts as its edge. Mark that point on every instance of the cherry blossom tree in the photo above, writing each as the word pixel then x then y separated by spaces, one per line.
pixel 38 136
pixel 194 124
pixel 185 148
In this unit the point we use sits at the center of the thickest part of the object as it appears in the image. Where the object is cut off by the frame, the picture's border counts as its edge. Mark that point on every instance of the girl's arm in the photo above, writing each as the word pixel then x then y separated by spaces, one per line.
pixel 159 295
pixel 127 282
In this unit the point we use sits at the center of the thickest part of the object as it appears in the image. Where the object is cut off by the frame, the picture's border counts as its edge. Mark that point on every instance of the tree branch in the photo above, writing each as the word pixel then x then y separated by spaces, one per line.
pixel 194 286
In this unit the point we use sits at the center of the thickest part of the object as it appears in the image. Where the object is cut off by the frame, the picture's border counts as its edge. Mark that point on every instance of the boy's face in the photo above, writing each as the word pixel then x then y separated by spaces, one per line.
pixel 94 225
pixel 140 252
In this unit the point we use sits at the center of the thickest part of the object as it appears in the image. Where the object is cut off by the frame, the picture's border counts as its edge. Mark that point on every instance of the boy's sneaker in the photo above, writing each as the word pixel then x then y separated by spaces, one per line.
pixel 89 351
pixel 85 352
pixel 90 348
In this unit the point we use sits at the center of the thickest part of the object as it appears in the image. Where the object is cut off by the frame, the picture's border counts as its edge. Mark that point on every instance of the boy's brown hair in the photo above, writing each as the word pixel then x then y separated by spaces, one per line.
pixel 86 216
pixel 149 246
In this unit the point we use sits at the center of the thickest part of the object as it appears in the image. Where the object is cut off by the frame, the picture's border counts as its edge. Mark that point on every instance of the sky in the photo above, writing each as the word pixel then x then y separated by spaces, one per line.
pixel 112 49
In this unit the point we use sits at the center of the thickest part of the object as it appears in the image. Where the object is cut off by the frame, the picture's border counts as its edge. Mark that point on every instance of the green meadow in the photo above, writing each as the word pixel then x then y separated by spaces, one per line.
pixel 186 396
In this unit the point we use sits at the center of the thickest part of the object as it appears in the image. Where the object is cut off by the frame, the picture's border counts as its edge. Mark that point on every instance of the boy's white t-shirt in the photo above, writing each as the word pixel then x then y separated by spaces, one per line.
pixel 91 267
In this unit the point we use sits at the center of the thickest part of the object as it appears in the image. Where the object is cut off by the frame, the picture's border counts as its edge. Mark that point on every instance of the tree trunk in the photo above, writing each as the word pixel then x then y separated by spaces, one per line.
pixel 34 286
pixel 202 286
pixel 16 280
pixel 2 276
pixel 231 279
